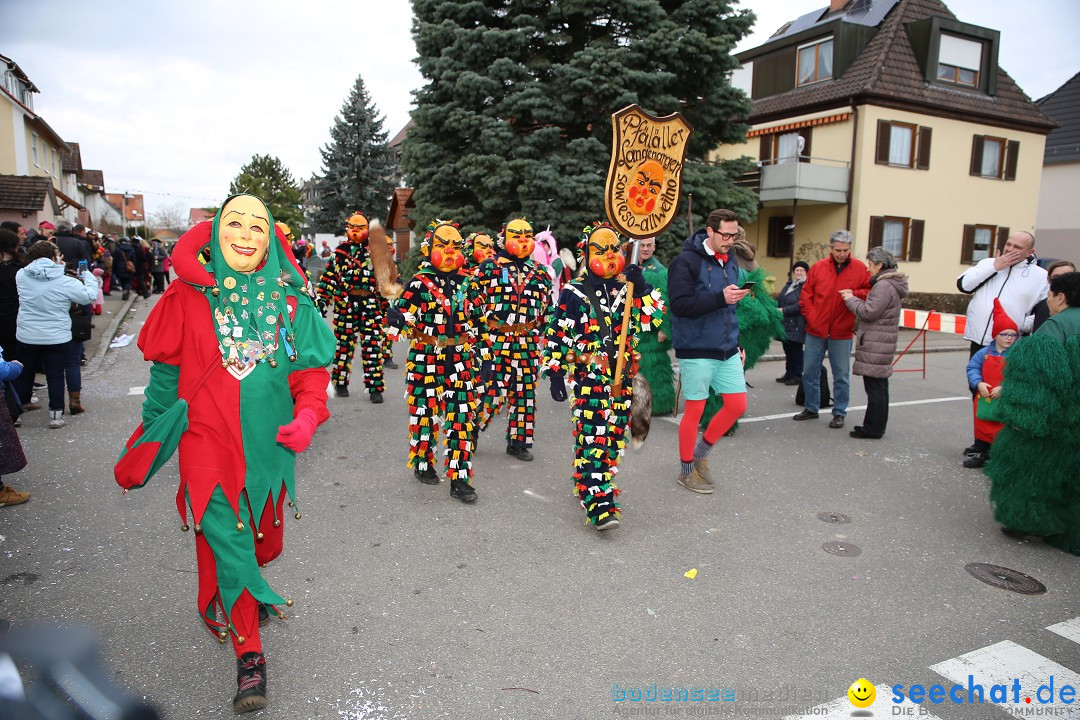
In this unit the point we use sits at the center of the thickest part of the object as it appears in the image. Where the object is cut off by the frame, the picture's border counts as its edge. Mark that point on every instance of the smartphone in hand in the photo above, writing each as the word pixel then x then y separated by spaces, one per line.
pixel 748 285
pixel 83 266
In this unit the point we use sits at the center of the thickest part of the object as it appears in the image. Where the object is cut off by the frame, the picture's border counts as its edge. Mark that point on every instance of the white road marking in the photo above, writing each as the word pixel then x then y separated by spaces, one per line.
pixel 825 411
pixel 137 390
pixel 882 707
pixel 1069 629
pixel 1004 662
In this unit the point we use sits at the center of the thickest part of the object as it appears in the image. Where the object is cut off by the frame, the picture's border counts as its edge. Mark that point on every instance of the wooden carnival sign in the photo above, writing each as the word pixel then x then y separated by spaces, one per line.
pixel 645 175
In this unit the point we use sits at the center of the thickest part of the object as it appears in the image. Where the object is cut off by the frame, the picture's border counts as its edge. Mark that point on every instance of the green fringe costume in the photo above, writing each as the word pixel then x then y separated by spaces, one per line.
pixel 1034 484
pixel 759 325
pixel 655 355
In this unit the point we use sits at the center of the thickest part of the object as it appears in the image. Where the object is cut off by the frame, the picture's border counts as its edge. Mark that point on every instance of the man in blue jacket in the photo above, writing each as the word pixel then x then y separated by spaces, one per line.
pixel 703 286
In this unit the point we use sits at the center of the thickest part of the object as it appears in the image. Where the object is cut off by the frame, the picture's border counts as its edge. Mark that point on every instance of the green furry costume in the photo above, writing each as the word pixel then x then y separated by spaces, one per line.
pixel 655 357
pixel 759 325
pixel 1034 484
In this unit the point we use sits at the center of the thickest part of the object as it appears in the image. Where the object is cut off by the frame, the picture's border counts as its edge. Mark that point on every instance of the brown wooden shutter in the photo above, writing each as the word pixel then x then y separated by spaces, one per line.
pixel 884 130
pixel 1003 236
pixel 914 250
pixel 765 155
pixel 967 249
pixel 976 155
pixel 1011 155
pixel 877 231
pixel 923 161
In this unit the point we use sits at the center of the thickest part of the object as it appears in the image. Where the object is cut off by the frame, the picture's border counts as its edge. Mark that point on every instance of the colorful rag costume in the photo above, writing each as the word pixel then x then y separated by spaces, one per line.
pixel 238 375
pixel 580 342
pixel 349 284
pixel 438 313
pixel 515 295
pixel 655 354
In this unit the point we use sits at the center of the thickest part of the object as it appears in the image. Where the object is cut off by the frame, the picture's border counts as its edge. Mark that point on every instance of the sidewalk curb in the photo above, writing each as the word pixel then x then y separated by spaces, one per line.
pixel 110 331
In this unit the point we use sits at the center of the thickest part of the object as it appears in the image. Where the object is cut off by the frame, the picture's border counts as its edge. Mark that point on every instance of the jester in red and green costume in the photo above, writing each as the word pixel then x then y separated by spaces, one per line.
pixel 516 295
pixel 581 342
pixel 440 316
pixel 349 284
pixel 239 353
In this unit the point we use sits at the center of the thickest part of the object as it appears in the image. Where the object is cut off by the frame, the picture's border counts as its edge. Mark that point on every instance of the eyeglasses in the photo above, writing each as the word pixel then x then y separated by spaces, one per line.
pixel 1008 334
pixel 726 236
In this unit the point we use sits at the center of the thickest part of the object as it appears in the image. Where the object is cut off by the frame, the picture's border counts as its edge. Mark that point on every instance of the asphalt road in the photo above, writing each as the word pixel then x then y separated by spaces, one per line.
pixel 412 605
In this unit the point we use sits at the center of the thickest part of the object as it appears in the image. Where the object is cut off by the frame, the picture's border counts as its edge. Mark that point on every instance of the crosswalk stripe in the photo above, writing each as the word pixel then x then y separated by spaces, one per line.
pixel 1000 664
pixel 1069 629
pixel 842 708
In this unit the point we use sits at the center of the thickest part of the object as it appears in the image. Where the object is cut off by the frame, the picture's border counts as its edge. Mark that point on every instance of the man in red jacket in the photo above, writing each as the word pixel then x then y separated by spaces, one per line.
pixel 830 325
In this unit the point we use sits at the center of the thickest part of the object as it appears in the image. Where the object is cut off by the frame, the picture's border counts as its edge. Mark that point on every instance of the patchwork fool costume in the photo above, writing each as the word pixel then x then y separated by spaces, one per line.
pixel 580 343
pixel 437 312
pixel 516 295
pixel 349 284
pixel 238 383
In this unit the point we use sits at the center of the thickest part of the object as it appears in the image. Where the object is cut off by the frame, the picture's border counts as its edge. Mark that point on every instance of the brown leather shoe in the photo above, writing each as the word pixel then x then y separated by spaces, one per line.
pixel 702 466
pixel 695 483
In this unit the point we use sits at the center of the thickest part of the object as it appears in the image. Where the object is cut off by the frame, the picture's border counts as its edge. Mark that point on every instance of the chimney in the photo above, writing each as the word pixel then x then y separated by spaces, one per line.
pixel 836 5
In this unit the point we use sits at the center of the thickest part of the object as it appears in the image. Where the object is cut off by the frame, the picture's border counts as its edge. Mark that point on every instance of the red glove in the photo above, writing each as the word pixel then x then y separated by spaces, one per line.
pixel 297 435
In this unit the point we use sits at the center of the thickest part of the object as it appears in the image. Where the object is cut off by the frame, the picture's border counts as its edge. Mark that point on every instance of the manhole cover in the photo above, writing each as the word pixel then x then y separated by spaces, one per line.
pixel 842 548
pixel 1005 578
pixel 831 517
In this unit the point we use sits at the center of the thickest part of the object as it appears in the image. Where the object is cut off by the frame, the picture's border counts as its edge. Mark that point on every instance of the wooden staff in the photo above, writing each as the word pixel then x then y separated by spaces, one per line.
pixel 628 302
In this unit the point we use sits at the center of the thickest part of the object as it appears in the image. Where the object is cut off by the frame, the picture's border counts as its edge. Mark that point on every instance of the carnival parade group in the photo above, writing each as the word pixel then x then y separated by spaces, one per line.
pixel 243 357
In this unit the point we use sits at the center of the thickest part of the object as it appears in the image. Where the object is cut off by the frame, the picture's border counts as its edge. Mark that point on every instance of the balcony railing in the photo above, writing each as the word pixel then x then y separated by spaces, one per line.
pixel 808 179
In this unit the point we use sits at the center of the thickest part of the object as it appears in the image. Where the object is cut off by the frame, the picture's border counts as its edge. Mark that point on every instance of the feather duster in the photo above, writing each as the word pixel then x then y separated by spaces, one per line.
pixel 640 410
pixel 386 272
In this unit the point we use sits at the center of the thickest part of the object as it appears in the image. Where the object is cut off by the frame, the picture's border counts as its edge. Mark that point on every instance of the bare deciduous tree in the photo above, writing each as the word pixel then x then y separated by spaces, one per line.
pixel 170 217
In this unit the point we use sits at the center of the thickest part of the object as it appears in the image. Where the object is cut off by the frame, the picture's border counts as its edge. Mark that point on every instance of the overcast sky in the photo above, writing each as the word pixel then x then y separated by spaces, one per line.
pixel 170 99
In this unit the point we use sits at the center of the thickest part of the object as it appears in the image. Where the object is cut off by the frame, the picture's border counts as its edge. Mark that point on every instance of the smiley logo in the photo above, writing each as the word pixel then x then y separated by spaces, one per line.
pixel 861 693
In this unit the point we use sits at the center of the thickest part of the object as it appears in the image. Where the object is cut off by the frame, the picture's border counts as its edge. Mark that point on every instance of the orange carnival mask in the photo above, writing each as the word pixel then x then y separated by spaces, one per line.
pixel 605 256
pixel 483 248
pixel 518 238
pixel 446 255
pixel 356 228
pixel 244 233
pixel 645 188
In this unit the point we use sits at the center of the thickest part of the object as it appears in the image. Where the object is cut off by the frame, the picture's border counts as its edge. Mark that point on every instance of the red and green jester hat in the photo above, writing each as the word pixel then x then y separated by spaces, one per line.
pixel 238 383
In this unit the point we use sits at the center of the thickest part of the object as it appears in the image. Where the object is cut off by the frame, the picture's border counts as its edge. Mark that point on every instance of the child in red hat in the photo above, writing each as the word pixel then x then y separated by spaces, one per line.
pixel 985 371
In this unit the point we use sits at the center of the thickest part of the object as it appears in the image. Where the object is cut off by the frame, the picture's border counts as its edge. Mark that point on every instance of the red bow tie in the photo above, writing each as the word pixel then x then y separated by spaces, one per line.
pixel 722 257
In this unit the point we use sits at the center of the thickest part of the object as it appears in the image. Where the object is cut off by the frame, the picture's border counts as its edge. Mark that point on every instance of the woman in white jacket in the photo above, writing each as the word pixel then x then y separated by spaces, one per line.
pixel 43 329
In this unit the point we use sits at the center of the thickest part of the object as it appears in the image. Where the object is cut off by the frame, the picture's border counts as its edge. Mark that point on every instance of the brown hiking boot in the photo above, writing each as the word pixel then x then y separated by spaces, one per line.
pixel 695 482
pixel 702 466
pixel 11 496
pixel 75 402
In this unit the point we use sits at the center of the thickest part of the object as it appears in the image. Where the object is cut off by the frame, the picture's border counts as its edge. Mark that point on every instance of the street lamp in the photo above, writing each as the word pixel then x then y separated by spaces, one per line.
pixel 123 211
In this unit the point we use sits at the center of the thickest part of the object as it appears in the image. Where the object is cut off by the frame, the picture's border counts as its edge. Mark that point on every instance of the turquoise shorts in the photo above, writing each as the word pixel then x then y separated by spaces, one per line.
pixel 725 377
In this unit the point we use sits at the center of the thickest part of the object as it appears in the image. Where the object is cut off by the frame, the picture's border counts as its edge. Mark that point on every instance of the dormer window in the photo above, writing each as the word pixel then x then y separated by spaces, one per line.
pixel 815 62
pixel 959 60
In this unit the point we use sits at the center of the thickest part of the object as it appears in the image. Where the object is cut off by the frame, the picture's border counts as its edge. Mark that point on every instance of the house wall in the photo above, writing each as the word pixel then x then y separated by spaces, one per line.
pixel 10 116
pixel 1057 227
pixel 945 196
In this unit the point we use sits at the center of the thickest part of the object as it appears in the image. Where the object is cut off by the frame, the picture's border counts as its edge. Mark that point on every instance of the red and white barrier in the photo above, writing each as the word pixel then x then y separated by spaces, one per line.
pixel 933 321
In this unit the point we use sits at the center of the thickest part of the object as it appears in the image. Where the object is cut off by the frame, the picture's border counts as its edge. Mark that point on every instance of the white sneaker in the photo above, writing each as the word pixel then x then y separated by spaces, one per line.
pixel 56 419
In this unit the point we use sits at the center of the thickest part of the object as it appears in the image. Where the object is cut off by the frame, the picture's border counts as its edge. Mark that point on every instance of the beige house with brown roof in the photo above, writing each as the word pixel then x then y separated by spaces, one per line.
pixel 890 118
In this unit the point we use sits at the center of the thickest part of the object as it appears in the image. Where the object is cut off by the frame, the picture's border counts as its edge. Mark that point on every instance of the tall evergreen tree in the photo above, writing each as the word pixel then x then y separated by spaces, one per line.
pixel 358 166
pixel 516 114
pixel 267 178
